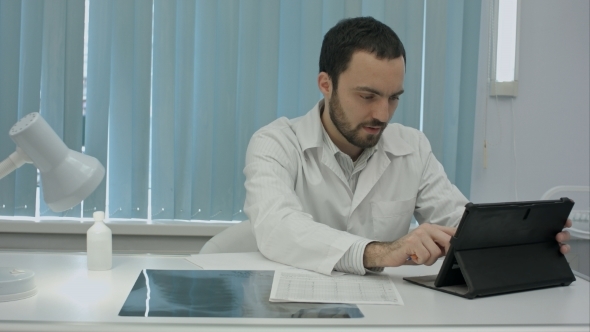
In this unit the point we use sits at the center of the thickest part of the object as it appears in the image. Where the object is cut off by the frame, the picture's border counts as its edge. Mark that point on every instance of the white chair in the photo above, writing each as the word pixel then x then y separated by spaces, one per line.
pixel 580 215
pixel 237 238
pixel 580 230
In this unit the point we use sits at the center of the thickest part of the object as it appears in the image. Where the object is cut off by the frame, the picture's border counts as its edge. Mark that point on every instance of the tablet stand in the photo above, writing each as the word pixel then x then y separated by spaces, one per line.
pixel 491 271
pixel 516 268
pixel 504 247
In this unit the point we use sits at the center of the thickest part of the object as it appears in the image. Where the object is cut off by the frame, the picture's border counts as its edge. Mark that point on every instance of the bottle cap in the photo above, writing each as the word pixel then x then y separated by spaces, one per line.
pixel 98 216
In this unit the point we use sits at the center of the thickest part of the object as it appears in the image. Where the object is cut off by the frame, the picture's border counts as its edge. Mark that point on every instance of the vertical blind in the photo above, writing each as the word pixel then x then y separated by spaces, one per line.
pixel 41 69
pixel 175 89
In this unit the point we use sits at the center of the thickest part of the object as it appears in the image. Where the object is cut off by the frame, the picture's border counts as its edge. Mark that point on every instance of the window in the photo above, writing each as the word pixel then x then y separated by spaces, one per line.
pixel 171 91
pixel 504 80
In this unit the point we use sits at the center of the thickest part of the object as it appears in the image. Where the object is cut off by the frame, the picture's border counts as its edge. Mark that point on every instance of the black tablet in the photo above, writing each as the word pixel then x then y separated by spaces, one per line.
pixel 504 247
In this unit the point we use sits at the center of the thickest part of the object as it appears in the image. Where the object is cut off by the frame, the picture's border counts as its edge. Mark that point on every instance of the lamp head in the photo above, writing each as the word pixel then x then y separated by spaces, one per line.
pixel 68 176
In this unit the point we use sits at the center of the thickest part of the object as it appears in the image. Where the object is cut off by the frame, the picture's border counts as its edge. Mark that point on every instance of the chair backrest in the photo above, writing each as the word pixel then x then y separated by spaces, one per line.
pixel 237 238
pixel 580 215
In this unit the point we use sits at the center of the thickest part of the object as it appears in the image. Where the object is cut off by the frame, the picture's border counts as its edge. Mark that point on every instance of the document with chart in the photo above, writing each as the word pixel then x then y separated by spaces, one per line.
pixel 294 285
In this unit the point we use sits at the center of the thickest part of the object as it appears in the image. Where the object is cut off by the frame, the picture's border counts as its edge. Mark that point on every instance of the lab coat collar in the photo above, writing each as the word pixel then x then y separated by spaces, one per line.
pixel 309 128
pixel 309 133
pixel 393 143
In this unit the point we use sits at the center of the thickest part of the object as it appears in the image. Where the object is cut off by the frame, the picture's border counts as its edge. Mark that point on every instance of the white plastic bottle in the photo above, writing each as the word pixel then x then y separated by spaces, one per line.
pixel 99 244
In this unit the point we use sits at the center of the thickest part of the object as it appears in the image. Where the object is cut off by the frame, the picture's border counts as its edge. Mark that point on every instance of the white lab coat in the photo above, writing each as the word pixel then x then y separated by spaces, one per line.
pixel 302 210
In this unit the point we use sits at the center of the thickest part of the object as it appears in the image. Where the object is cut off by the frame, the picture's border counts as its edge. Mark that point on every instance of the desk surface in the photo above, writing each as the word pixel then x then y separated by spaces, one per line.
pixel 71 298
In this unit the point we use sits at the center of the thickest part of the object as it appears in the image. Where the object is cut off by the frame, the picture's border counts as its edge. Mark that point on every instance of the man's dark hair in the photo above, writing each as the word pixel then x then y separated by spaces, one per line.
pixel 357 34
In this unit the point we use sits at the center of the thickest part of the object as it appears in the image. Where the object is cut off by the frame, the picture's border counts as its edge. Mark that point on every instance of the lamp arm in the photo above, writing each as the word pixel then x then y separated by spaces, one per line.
pixel 14 161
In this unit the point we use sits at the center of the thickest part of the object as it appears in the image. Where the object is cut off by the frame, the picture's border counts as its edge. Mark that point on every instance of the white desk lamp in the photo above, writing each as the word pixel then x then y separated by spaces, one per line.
pixel 68 177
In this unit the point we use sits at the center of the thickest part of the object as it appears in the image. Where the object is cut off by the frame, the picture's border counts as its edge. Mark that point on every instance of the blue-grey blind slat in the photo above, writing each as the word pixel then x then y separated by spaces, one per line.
pixel 443 120
pixel 435 75
pixel 163 107
pixel 129 115
pixel 353 8
pixel 141 107
pixel 205 54
pixel 289 42
pixel 267 78
pixel 410 31
pixel 374 8
pixel 224 117
pixel 53 76
pixel 467 103
pixel 31 42
pixel 73 79
pixel 121 110
pixel 98 94
pixel 257 81
pixel 444 69
pixel 300 39
pixel 248 67
pixel 452 86
pixel 10 22
pixel 332 12
pixel 308 54
pixel 184 109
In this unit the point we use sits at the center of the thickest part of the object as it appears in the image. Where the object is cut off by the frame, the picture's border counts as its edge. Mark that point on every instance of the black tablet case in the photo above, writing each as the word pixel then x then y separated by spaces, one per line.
pixel 504 247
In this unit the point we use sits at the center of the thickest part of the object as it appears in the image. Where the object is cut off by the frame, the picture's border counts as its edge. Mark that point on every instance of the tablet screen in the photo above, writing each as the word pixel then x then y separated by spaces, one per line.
pixel 503 224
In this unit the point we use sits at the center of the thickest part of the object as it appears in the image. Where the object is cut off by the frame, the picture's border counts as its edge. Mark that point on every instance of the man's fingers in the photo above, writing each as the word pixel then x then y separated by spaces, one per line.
pixel 428 243
pixel 448 230
pixel 421 254
pixel 563 236
pixel 429 252
pixel 435 253
pixel 568 223
pixel 564 248
pixel 426 254
pixel 442 237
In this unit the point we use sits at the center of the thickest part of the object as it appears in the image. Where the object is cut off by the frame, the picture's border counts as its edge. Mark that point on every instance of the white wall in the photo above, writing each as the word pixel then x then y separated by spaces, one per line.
pixel 539 139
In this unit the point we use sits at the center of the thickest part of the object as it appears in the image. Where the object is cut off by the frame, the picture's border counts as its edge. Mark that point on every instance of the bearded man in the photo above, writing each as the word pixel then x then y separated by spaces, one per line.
pixel 337 187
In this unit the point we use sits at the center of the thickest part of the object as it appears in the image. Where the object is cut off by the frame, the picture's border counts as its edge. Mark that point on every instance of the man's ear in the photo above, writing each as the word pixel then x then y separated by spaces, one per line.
pixel 325 84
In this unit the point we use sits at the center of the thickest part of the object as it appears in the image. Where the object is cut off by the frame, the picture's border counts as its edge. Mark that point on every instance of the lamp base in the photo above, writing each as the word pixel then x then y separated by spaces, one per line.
pixel 16 284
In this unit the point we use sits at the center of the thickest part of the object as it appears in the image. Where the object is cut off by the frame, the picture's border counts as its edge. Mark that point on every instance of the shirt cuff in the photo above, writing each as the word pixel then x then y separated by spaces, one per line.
pixel 352 261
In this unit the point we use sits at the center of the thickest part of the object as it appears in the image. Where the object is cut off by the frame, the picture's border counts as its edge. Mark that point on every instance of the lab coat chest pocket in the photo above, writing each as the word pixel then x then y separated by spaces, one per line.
pixel 391 219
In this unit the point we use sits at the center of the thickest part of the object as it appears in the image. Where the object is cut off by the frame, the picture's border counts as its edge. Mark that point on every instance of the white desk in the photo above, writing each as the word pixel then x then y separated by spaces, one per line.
pixel 71 298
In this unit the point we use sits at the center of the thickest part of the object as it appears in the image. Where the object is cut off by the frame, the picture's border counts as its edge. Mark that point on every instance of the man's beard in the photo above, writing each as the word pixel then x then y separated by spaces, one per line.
pixel 353 135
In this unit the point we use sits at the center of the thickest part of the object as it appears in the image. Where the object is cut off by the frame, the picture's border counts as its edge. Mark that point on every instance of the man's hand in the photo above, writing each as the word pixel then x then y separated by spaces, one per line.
pixel 564 236
pixel 424 245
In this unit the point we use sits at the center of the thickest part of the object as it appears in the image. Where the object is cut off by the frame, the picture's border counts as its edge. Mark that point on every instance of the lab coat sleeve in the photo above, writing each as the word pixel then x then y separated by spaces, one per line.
pixel 438 200
pixel 284 232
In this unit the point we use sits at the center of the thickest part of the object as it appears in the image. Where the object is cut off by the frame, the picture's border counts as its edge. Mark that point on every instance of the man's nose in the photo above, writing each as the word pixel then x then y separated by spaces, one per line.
pixel 381 111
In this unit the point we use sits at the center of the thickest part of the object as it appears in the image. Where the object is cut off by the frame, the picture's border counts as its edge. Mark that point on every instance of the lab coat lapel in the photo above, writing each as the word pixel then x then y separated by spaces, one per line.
pixel 369 177
pixel 330 162
pixel 308 129
pixel 391 145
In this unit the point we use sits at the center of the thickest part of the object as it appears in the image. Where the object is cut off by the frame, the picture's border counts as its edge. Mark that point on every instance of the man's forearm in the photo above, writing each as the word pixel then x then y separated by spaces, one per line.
pixel 378 254
pixel 424 244
pixel 352 261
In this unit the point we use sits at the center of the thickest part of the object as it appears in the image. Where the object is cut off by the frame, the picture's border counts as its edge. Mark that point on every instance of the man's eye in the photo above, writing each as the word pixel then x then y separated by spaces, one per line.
pixel 367 97
pixel 394 98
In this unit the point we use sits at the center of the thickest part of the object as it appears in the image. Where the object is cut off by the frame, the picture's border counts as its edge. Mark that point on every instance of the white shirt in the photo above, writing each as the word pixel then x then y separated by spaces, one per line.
pixel 303 211
pixel 352 260
pixel 350 168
